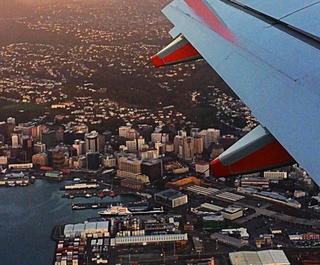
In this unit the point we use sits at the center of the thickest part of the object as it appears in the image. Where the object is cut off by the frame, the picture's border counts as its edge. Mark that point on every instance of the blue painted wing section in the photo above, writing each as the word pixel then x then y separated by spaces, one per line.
pixel 307 20
pixel 275 74
pixel 278 8
pixel 301 14
pixel 174 33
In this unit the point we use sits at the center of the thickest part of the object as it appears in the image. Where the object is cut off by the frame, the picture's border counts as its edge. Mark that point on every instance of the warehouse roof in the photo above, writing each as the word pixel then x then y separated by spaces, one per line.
pixel 265 257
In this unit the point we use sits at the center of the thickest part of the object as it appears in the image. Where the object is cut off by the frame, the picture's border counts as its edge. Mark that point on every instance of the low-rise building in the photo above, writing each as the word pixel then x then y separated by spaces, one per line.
pixel 147 239
pixel 171 198
pixel 265 257
pixel 232 213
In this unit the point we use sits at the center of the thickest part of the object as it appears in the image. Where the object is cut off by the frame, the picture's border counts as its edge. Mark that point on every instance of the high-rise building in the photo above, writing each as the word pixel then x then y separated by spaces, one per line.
pixel 131 168
pixel 177 142
pixel 40 159
pixel 182 133
pixel 153 169
pixel 68 137
pixel 59 136
pixel 4 128
pixel 184 147
pixel 25 128
pixel 131 145
pixel 101 143
pixel 124 131
pixel 11 120
pixel 49 138
pixel 39 148
pixel 156 137
pixel 109 161
pixel 77 147
pixel 58 159
pixel 149 153
pixel 161 148
pixel 93 160
pixel 209 136
pixel 82 161
pixel 194 132
pixel 130 165
pixel 165 138
pixel 92 143
pixel 15 141
pixel 188 148
pixel 214 135
pixel 141 143
pixel 198 145
pixel 133 134
pixel 128 132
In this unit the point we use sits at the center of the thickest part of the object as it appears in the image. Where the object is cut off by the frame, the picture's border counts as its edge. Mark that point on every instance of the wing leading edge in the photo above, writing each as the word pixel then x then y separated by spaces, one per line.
pixel 271 65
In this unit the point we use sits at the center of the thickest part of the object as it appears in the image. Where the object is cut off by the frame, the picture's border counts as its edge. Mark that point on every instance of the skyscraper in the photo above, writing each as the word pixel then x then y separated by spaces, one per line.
pixel 92 144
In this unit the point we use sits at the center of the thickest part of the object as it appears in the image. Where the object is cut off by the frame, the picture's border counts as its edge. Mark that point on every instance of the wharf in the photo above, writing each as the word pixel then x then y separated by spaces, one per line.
pixel 102 205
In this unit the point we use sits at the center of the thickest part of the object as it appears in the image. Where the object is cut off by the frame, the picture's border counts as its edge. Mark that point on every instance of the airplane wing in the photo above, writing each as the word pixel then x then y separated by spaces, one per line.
pixel 268 53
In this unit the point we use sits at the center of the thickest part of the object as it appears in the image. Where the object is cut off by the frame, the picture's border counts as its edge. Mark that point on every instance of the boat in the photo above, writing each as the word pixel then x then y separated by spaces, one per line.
pixel 120 210
pixel 101 195
pixel 11 185
pixel 78 207
pixel 88 195
pixel 112 194
pixel 115 211
pixel 94 206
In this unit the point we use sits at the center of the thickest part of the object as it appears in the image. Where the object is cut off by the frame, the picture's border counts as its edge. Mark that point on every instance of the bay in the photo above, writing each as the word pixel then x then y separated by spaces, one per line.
pixel 28 215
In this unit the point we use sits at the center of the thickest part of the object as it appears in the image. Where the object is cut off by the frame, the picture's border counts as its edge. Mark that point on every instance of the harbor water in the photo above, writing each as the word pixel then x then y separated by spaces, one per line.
pixel 28 215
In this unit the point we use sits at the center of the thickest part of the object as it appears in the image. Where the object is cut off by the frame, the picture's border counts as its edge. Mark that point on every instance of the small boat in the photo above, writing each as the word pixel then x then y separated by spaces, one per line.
pixel 101 195
pixel 88 195
pixel 94 206
pixel 11 185
pixel 112 194
pixel 77 207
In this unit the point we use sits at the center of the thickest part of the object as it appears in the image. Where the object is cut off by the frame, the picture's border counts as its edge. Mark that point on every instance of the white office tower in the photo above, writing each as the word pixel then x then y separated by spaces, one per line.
pixel 92 141
pixel 209 136
pixel 15 141
pixel 11 120
pixel 141 143
pixel 124 131
pixel 131 145
pixel 213 135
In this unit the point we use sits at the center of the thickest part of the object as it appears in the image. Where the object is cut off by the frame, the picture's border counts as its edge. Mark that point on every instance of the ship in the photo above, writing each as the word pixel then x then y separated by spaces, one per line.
pixel 120 210
pixel 115 211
